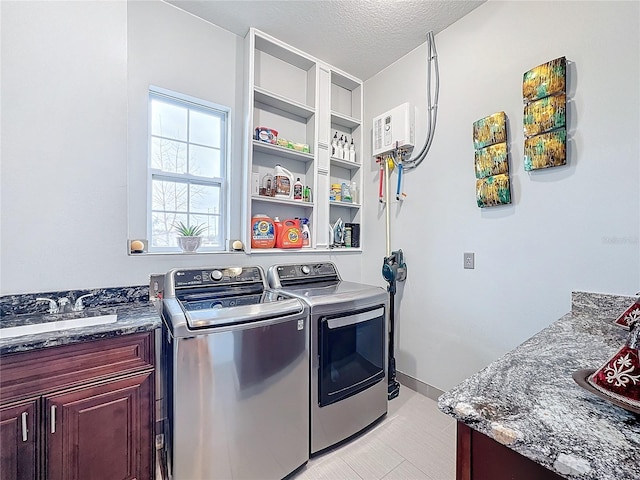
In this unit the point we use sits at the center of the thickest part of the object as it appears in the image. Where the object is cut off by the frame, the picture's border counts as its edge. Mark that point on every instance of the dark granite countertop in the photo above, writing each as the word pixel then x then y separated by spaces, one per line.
pixel 528 400
pixel 134 315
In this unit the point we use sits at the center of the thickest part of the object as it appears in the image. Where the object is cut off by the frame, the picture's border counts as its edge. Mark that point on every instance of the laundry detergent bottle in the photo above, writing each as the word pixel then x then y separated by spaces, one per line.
pixel 291 236
pixel 263 232
pixel 283 180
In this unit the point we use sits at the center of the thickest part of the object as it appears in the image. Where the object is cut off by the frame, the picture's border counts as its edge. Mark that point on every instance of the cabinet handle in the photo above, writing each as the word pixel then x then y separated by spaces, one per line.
pixel 53 419
pixel 25 432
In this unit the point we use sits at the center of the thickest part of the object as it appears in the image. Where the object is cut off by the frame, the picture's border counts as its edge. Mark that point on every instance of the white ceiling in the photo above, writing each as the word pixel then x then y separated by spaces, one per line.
pixel 361 37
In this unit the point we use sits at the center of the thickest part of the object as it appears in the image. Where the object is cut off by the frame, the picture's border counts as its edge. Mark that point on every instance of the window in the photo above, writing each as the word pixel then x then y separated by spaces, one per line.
pixel 188 141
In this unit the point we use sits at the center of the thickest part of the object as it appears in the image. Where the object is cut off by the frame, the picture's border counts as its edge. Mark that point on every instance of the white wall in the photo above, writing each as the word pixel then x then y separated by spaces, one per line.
pixel 569 228
pixel 65 93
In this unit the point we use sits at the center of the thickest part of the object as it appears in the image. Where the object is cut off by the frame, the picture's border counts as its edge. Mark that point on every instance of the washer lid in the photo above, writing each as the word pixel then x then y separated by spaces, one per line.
pixel 205 316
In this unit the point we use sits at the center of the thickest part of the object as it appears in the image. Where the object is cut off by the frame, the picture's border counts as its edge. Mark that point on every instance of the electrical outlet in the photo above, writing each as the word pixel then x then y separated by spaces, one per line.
pixel 469 260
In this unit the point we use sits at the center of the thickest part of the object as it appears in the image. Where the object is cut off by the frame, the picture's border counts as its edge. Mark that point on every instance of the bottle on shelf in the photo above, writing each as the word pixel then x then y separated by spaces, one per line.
pixel 354 192
pixel 334 145
pixel 306 233
pixel 297 190
pixel 278 228
pixel 346 193
pixel 352 151
pixel 282 182
pixel 345 148
pixel 340 147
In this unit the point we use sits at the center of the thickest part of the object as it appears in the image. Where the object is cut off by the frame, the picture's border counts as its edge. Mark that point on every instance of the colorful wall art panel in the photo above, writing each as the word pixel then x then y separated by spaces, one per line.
pixel 491 160
pixel 493 190
pixel 545 115
pixel 490 130
pixel 546 150
pixel 544 80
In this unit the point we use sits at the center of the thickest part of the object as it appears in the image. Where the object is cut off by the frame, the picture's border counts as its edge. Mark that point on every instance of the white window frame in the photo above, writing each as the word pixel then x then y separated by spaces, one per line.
pixel 192 103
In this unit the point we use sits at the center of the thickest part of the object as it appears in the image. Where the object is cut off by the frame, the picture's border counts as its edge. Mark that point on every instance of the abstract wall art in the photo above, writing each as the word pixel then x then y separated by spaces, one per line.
pixel 493 190
pixel 491 160
pixel 544 80
pixel 546 150
pixel 490 130
pixel 545 115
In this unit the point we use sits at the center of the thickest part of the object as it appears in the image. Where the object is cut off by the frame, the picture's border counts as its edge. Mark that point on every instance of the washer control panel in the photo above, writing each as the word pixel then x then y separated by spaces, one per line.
pixel 214 276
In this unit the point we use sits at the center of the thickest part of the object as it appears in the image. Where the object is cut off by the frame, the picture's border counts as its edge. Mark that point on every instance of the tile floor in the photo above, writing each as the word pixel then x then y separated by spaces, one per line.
pixel 414 441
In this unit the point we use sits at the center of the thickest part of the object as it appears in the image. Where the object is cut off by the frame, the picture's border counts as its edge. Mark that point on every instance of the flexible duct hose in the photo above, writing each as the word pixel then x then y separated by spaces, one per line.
pixel 432 103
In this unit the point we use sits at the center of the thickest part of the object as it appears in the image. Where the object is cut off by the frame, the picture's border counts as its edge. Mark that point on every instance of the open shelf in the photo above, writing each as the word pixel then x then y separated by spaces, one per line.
pixel 282 152
pixel 282 103
pixel 338 162
pixel 281 201
pixel 345 120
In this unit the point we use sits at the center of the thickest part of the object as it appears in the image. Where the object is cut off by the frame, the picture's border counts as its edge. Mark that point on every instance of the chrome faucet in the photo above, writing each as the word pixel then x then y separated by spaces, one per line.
pixel 53 306
pixel 63 305
pixel 79 306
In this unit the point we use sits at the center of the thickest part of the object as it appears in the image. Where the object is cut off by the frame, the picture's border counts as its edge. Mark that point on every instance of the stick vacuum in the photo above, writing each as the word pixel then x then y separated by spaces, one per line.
pixel 393 270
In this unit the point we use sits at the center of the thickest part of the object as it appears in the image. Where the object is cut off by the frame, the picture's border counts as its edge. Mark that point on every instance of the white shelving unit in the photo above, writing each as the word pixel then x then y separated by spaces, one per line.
pixel 306 101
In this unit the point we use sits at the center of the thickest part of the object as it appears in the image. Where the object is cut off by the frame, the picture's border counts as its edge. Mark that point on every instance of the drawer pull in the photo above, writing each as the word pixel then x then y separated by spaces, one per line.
pixel 25 432
pixel 53 419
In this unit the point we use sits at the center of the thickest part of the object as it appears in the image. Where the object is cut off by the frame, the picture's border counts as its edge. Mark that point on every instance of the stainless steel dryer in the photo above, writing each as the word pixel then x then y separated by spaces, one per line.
pixel 348 347
pixel 235 359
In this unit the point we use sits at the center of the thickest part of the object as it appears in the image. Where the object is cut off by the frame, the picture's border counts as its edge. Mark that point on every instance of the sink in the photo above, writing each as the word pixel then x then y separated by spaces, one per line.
pixel 44 327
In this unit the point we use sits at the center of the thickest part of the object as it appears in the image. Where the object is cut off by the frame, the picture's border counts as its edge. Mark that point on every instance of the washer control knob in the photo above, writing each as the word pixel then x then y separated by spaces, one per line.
pixel 305 269
pixel 216 275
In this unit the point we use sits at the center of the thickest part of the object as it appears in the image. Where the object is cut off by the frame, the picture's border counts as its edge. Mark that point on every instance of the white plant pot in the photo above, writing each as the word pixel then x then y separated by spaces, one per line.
pixel 189 244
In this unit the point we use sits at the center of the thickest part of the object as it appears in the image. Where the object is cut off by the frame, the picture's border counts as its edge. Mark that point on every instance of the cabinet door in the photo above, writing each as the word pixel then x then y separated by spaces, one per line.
pixel 18 423
pixel 102 432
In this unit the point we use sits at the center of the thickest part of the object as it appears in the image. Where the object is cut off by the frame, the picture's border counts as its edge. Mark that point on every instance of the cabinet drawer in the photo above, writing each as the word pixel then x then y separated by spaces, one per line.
pixel 40 371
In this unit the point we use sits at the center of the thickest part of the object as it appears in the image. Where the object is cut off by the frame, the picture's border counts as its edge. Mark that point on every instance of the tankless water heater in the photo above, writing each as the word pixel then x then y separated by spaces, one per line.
pixel 395 126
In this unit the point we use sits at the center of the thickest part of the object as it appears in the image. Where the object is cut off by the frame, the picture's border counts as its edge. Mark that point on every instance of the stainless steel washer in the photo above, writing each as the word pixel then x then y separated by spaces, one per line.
pixel 348 365
pixel 236 365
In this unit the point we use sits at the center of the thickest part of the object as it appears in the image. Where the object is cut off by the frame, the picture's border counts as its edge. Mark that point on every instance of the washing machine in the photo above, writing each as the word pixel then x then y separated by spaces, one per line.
pixel 348 349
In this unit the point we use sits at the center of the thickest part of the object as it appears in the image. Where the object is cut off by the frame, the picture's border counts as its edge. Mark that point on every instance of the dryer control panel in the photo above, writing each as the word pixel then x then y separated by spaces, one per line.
pixel 295 274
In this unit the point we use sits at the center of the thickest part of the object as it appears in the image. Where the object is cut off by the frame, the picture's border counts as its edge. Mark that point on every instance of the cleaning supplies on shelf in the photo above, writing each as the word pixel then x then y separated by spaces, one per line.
pixel 306 233
pixel 267 135
pixel 345 192
pixel 263 232
pixel 354 192
pixel 335 194
pixel 266 186
pixel 297 190
pixel 283 179
pixel 306 196
pixel 278 229
pixel 290 236
pixel 352 152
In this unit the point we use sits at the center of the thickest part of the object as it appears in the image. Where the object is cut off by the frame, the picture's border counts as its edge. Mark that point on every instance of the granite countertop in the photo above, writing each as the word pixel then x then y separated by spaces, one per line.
pixel 528 400
pixel 134 314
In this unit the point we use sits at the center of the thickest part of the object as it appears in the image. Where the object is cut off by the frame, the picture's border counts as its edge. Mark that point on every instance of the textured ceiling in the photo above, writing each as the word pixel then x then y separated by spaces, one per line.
pixel 361 37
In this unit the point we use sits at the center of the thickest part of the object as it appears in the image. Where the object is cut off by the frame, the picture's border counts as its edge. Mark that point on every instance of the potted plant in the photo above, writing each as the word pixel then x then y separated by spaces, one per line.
pixel 189 238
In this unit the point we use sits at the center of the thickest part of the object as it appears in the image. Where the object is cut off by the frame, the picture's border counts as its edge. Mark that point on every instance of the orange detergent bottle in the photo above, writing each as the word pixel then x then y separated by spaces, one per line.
pixel 263 232
pixel 291 236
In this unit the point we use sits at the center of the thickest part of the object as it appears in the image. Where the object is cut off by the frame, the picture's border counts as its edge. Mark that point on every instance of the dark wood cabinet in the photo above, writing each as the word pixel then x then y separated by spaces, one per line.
pixel 479 457
pixel 89 410
pixel 18 441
